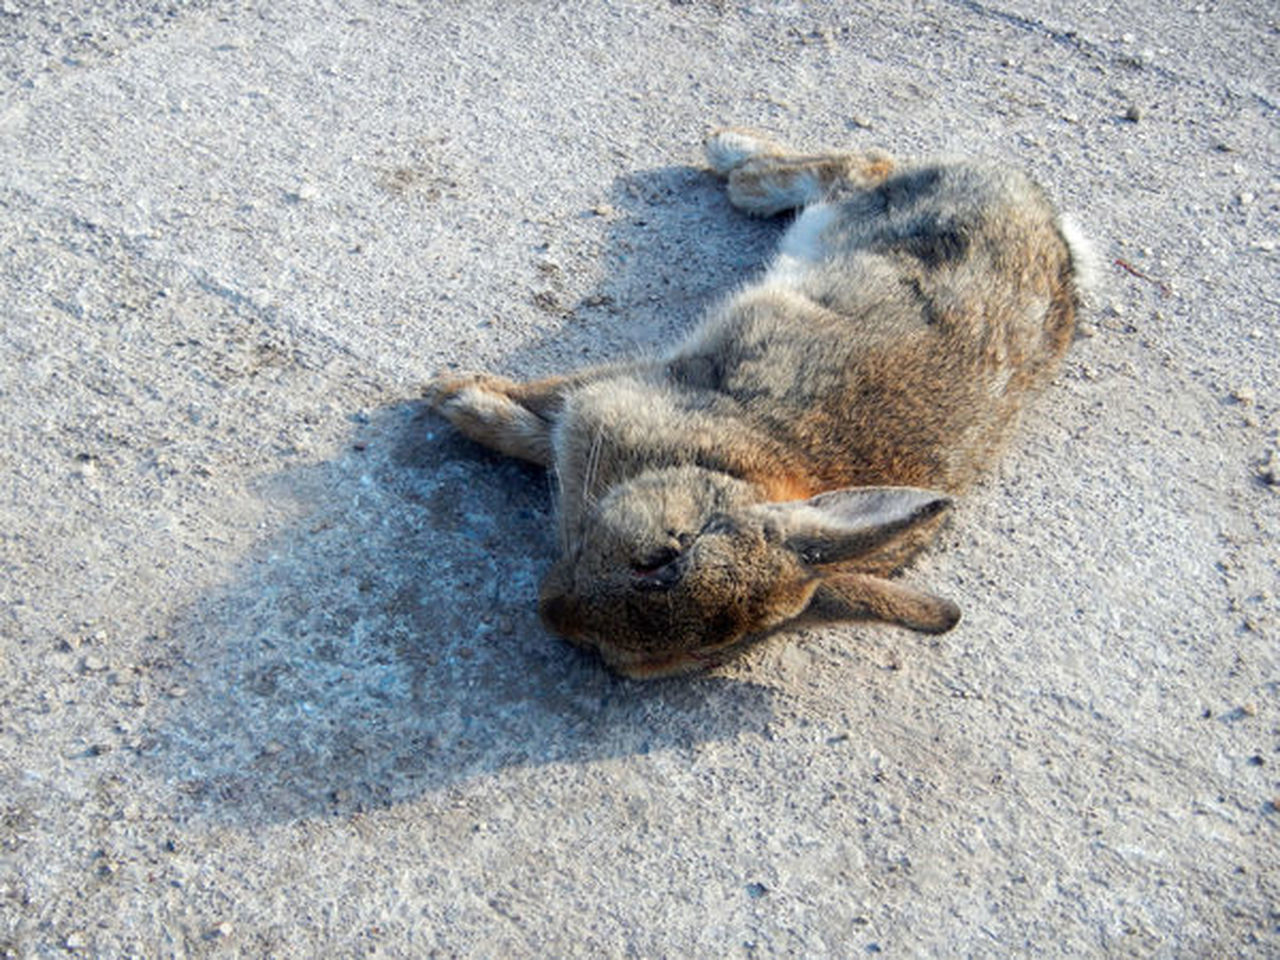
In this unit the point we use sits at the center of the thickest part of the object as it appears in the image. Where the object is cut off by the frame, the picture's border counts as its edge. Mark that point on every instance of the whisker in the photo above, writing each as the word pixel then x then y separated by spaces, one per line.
pixel 555 491
pixel 593 466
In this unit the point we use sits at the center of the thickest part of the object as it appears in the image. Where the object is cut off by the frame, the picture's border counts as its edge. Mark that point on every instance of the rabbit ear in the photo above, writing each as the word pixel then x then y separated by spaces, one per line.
pixel 861 596
pixel 846 524
pixel 843 524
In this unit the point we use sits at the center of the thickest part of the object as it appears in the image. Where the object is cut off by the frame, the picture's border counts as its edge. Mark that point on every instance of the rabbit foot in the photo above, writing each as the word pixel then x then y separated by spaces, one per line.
pixel 730 148
pixel 480 406
pixel 446 386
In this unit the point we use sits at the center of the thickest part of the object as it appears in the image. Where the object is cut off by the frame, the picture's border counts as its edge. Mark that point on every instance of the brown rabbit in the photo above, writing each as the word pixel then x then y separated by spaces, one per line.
pixel 784 457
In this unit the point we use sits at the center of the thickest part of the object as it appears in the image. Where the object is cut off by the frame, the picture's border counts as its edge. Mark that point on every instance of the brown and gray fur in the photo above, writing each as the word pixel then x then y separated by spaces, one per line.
pixel 803 443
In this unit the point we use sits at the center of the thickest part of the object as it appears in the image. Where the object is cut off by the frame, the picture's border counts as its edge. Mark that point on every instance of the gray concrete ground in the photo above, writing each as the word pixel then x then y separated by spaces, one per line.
pixel 272 683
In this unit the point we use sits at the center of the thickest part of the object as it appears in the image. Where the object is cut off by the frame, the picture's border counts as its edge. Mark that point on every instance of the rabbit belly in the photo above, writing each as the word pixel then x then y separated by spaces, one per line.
pixel 802 246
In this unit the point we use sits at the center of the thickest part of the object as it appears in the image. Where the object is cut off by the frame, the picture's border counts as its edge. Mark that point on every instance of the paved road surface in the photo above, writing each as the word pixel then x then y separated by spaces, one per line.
pixel 271 679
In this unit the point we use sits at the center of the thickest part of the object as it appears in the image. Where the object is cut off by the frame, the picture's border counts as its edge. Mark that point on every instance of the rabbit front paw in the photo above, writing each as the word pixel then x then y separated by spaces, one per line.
pixel 480 406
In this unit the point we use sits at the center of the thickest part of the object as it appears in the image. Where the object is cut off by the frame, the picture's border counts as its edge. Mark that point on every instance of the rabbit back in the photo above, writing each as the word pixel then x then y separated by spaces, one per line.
pixel 897 330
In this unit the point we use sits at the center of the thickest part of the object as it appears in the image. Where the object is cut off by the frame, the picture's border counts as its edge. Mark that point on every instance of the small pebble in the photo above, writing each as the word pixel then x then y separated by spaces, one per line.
pixel 219 931
pixel 1133 114
pixel 1249 709
pixel 1245 396
pixel 272 747
pixel 94 664
pixel 75 941
pixel 178 692
pixel 1245 198
pixel 1269 469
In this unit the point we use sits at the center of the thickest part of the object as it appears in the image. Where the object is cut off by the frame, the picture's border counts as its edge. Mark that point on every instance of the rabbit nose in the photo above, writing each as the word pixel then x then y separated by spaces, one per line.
pixel 558 611
pixel 660 572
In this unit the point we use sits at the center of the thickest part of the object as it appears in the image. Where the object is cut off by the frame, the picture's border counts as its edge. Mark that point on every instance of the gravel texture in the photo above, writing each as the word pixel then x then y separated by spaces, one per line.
pixel 271 680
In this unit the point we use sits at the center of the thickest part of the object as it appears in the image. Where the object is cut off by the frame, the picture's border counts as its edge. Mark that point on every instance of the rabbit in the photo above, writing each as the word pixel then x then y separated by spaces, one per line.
pixel 807 439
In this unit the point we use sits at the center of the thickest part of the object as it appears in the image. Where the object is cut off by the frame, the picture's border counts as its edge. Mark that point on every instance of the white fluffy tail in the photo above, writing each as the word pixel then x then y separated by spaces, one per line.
pixel 1086 262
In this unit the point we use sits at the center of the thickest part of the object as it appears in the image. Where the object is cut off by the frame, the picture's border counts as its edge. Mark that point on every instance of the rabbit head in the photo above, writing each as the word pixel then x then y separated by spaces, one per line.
pixel 670 568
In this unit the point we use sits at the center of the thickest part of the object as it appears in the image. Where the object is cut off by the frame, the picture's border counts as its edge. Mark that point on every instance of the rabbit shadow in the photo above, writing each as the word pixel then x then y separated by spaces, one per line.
pixel 674 246
pixel 385 644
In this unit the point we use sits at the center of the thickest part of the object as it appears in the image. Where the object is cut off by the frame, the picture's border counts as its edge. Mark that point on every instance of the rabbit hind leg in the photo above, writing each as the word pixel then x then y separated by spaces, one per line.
pixel 768 185
pixel 730 148
pixel 766 177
